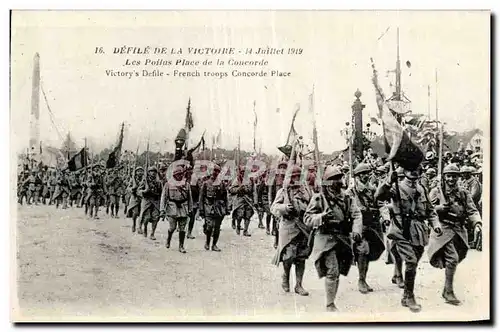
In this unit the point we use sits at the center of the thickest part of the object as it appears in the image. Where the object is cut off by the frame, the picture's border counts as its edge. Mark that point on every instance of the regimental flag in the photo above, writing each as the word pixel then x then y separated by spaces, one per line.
pixel 114 156
pixel 189 123
pixel 398 144
pixel 78 161
pixel 292 135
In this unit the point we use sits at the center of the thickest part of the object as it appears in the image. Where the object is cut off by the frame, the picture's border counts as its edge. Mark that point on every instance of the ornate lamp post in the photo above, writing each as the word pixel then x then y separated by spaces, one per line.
pixel 348 134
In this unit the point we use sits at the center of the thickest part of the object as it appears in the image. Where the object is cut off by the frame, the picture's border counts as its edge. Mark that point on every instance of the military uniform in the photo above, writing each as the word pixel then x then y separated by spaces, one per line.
pixel 176 204
pixel 95 184
pixel 63 190
pixel 150 191
pixel 408 229
pixel 335 215
pixel 273 188
pixel 242 203
pixel 261 196
pixel 471 185
pixel 213 206
pixel 114 186
pixel 290 205
pixel 134 203
pixel 454 207
pixel 372 245
pixel 195 195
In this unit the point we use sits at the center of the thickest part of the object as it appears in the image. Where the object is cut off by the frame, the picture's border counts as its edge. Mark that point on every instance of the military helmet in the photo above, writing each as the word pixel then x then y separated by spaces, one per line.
pixel 152 169
pixel 430 155
pixel 179 170
pixel 466 169
pixel 451 169
pixel 362 168
pixel 430 171
pixel 296 170
pixel 332 171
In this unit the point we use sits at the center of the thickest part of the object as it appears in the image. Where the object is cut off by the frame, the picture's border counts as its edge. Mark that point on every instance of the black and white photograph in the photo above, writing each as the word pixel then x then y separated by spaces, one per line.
pixel 250 166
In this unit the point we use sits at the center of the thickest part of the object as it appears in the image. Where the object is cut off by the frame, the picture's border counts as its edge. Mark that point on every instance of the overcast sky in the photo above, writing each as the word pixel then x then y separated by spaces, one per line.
pixel 337 47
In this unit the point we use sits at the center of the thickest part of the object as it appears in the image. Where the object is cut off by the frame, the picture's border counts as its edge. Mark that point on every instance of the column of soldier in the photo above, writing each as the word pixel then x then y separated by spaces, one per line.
pixel 339 222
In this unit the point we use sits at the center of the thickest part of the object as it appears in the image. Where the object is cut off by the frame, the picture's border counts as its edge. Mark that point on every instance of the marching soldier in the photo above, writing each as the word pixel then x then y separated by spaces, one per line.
pixel 274 187
pixel 176 204
pixel 114 184
pixel 261 196
pixel 30 193
pixel 213 206
pixel 52 186
pixel 372 245
pixel 195 195
pixel 134 203
pixel 243 202
pixel 454 206
pixel 334 216
pixel 428 179
pixel 408 229
pixel 290 205
pixel 96 191
pixel 63 189
pixel 471 184
pixel 150 192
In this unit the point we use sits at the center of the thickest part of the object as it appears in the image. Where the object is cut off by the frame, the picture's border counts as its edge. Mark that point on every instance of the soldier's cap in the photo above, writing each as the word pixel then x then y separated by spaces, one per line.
pixel 362 168
pixel 152 169
pixel 430 171
pixel 451 169
pixel 411 174
pixel 282 164
pixel 400 171
pixel 332 172
pixel 467 169
pixel 179 170
pixel 296 170
pixel 139 168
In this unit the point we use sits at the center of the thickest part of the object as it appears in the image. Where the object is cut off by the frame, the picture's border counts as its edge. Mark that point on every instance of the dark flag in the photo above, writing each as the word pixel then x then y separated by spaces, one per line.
pixel 78 161
pixel 398 144
pixel 114 156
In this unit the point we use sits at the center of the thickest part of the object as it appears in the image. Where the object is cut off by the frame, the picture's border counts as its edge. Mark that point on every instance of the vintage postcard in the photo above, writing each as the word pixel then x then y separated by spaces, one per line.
pixel 250 166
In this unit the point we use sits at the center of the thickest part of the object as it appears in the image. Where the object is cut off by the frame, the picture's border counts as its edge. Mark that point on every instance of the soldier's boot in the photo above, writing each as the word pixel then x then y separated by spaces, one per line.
pixel 112 208
pixel 268 224
pixel 153 229
pixel 169 238
pixel 96 210
pixel 125 209
pixel 233 223
pixel 134 223
pixel 107 208
pixel 245 231
pixel 261 216
pixel 238 226
pixel 276 238
pixel 208 234
pixel 145 228
pixel 300 267
pixel 65 203
pixel 331 287
pixel 285 278
pixel 182 237
pixel 363 287
pixel 275 226
pixel 216 239
pixel 398 274
pixel 448 293
pixel 117 209
pixel 191 225
pixel 408 299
